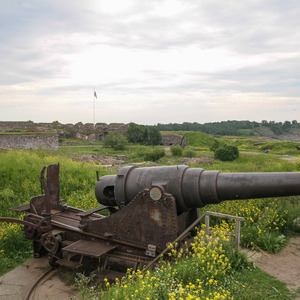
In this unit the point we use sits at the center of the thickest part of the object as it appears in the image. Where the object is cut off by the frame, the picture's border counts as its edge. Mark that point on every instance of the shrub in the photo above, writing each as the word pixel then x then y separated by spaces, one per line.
pixel 189 153
pixel 154 154
pixel 227 153
pixel 176 150
pixel 136 133
pixel 144 135
pixel 154 136
pixel 116 140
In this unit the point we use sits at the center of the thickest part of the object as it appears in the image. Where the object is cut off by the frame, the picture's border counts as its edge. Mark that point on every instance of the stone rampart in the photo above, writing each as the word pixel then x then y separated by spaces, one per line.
pixel 35 142
pixel 16 125
pixel 65 130
pixel 173 139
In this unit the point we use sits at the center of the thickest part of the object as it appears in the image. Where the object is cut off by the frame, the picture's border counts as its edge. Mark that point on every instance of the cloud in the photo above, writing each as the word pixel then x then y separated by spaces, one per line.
pixel 151 61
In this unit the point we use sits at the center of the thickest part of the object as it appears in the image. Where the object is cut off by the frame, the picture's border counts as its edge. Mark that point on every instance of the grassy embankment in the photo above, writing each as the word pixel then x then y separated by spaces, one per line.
pixel 20 180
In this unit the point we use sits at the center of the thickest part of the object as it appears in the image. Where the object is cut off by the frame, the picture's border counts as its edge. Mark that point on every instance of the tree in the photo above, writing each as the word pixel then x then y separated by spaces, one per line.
pixel 135 133
pixel 116 140
pixel 154 136
pixel 286 125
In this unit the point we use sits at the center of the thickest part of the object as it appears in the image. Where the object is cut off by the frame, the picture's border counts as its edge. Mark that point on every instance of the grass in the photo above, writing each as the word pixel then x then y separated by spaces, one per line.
pixel 210 269
pixel 19 181
pixel 259 285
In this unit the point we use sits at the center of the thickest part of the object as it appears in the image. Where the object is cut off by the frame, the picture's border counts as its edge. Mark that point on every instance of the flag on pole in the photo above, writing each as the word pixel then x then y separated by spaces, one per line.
pixel 95 95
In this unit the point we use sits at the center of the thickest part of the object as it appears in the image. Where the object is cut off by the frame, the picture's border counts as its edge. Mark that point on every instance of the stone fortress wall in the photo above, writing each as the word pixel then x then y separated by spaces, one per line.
pixel 55 130
pixel 35 142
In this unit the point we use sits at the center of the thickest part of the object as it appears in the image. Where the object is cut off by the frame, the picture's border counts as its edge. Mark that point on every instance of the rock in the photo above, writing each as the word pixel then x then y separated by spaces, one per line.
pixel 297 222
pixel 122 157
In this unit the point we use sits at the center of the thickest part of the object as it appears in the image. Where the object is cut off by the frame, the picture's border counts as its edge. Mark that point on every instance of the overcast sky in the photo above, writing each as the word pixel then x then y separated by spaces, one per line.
pixel 149 61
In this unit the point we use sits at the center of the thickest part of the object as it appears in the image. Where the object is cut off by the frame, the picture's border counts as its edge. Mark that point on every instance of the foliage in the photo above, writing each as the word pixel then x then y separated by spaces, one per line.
pixel 116 140
pixel 199 139
pixel 14 248
pixel 154 154
pixel 267 221
pixel 227 153
pixel 233 128
pixel 209 269
pixel 20 180
pixel 215 128
pixel 176 150
pixel 216 145
pixel 189 153
pixel 153 136
pixel 135 133
pixel 282 147
pixel 224 152
pixel 279 127
pixel 146 135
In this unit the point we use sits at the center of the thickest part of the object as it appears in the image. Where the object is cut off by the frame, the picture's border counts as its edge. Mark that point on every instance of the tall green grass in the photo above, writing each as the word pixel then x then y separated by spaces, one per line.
pixel 20 180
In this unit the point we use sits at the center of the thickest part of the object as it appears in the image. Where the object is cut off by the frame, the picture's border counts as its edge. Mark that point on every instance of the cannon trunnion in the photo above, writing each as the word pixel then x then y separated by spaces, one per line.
pixel 148 208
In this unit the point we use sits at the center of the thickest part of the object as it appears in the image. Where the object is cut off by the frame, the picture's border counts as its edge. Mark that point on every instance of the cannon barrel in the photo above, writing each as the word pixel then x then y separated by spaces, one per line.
pixel 194 187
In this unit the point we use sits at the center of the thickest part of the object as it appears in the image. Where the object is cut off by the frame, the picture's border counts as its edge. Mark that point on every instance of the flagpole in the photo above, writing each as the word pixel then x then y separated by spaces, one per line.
pixel 94 112
pixel 95 96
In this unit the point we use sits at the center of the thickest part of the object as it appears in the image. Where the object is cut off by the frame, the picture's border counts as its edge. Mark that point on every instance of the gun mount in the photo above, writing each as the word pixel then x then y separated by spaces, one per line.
pixel 148 208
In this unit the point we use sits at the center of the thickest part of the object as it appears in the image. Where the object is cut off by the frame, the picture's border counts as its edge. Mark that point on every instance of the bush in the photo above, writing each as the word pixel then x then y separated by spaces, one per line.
pixel 189 153
pixel 154 154
pixel 144 135
pixel 176 150
pixel 136 133
pixel 116 140
pixel 227 153
pixel 154 136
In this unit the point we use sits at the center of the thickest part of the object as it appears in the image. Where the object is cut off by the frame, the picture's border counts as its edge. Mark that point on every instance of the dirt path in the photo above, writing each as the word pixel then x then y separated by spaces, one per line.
pixel 285 265
pixel 15 284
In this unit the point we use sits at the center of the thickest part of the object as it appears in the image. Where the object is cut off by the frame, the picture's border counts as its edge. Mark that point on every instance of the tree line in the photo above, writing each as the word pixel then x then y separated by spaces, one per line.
pixel 235 128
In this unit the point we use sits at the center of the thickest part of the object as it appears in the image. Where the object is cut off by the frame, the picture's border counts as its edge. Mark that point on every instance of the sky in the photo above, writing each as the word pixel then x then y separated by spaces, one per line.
pixel 149 61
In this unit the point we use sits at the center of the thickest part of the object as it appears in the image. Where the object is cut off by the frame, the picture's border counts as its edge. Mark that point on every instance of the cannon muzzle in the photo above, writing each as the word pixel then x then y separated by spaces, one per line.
pixel 194 187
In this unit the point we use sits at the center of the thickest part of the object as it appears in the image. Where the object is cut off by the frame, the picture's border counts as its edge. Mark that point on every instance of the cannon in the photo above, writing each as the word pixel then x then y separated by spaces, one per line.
pixel 147 209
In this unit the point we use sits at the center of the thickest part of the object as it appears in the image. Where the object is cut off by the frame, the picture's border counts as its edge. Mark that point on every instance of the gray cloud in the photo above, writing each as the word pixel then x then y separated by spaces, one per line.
pixel 152 57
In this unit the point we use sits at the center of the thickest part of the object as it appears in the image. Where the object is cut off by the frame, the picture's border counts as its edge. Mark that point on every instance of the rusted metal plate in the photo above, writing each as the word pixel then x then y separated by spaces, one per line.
pixel 53 179
pixel 66 220
pixel 21 208
pixel 87 248
pixel 141 222
pixel 92 211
